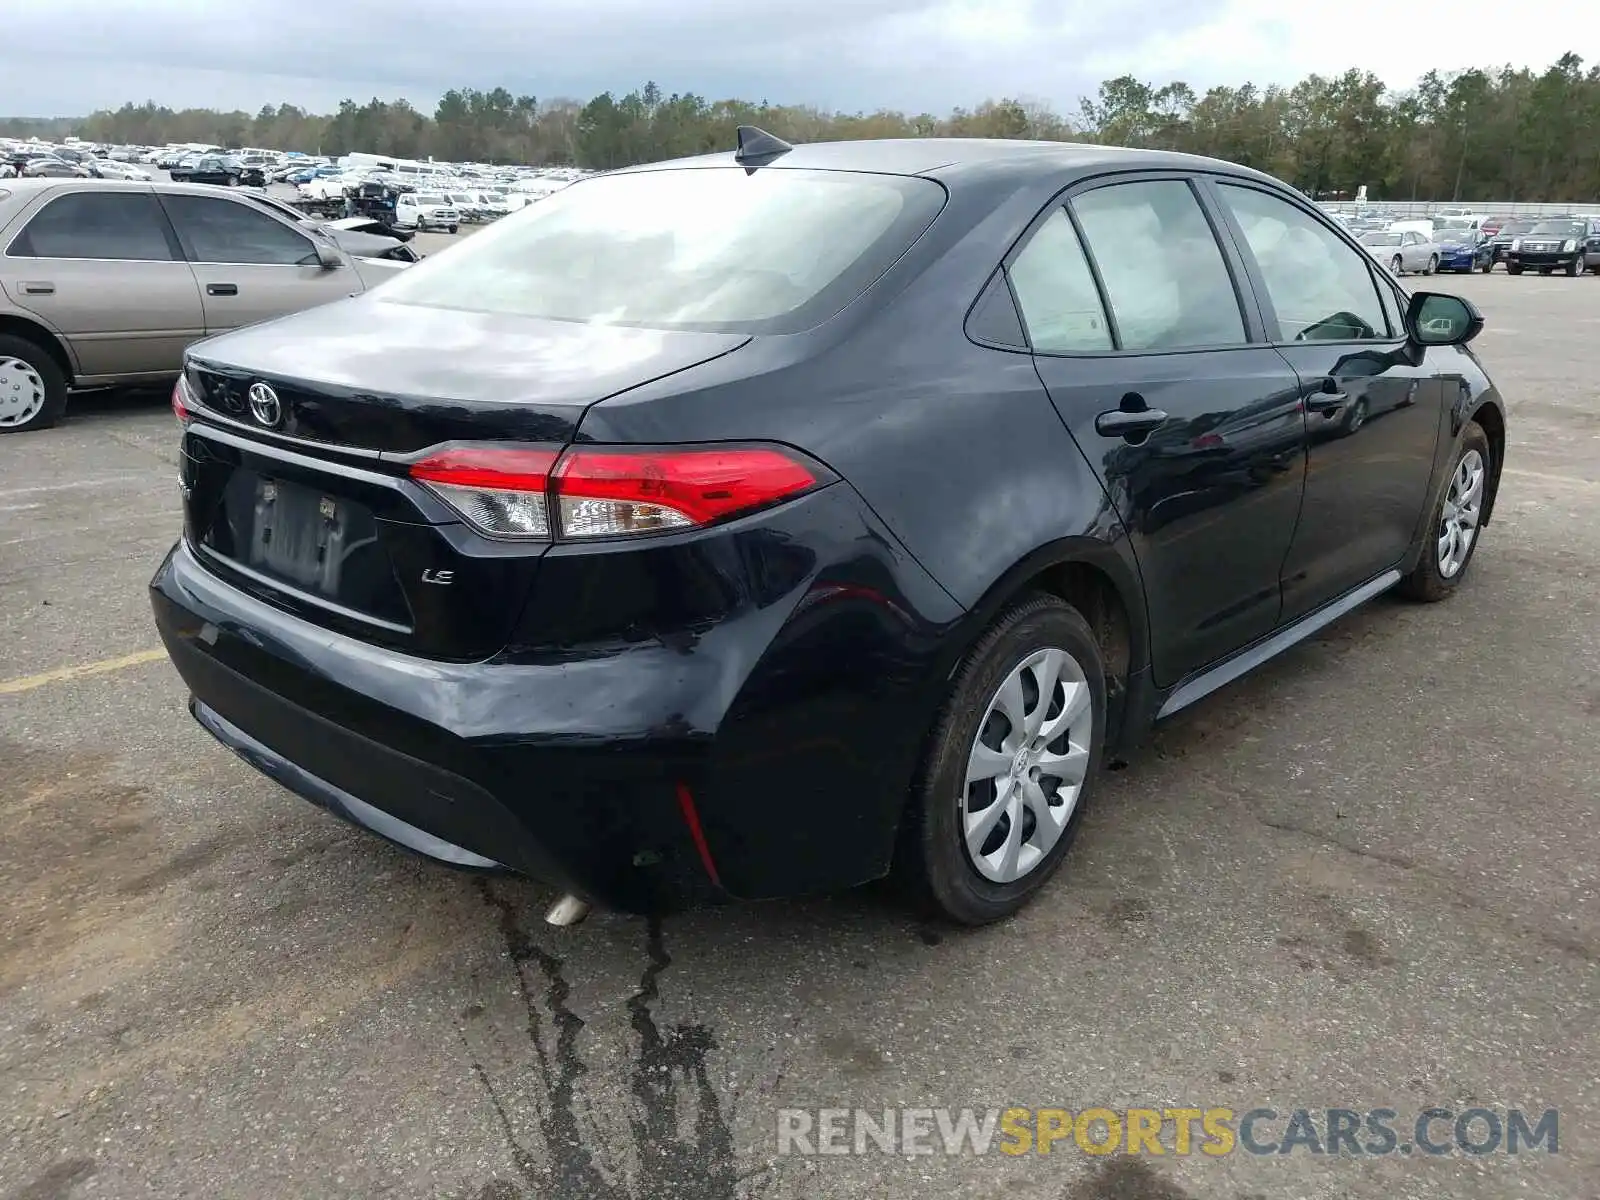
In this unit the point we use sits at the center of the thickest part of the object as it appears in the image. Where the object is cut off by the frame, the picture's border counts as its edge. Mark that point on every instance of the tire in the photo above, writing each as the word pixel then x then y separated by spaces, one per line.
pixel 1487 267
pixel 1574 267
pixel 1513 268
pixel 1433 265
pixel 934 861
pixel 33 389
pixel 452 228
pixel 1429 580
pixel 1396 267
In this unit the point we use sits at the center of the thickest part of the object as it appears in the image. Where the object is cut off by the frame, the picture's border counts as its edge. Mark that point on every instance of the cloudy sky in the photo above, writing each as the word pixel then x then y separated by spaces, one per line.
pixel 67 57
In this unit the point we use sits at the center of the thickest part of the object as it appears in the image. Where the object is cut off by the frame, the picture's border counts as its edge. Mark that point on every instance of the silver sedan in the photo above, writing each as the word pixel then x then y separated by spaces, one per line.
pixel 1402 250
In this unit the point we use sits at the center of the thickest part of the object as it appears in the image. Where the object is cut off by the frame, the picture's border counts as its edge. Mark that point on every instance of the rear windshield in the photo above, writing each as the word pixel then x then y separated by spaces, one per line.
pixel 711 248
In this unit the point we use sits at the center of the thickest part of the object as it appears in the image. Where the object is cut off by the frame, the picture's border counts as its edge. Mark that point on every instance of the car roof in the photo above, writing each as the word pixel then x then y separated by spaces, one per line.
pixel 29 187
pixel 951 160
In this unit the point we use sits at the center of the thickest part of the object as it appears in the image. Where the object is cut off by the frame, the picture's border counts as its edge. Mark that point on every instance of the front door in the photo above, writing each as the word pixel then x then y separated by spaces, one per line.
pixel 1192 424
pixel 251 265
pixel 1374 403
pixel 102 269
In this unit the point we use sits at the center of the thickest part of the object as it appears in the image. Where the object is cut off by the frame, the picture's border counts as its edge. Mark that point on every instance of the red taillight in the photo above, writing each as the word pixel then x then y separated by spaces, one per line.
pixel 180 407
pixel 499 489
pixel 590 492
pixel 602 493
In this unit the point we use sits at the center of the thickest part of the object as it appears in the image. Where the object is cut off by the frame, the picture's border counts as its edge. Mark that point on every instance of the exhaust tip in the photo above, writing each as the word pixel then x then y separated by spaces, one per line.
pixel 568 910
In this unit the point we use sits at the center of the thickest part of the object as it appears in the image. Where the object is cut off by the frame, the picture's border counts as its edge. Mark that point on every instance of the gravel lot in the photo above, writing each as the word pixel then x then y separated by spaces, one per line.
pixel 1364 877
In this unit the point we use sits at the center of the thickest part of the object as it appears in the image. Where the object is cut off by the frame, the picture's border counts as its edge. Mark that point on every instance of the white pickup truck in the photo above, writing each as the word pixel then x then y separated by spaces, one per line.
pixel 425 210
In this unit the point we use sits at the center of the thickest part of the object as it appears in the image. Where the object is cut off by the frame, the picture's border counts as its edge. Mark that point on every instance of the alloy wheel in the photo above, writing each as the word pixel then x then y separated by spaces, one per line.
pixel 1458 523
pixel 1027 765
pixel 22 392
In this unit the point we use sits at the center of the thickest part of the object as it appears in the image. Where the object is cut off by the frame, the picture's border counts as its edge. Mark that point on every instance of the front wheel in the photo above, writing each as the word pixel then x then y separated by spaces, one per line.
pixel 1008 768
pixel 1575 266
pixel 452 229
pixel 1456 521
pixel 1513 268
pixel 1487 267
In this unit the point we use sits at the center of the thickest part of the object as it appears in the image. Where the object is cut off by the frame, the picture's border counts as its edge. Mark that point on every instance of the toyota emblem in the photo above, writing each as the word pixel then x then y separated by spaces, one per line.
pixel 265 405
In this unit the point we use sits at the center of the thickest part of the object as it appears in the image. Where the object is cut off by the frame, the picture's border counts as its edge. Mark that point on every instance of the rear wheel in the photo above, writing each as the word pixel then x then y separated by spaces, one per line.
pixel 1456 522
pixel 1395 265
pixel 1433 265
pixel 1008 769
pixel 33 389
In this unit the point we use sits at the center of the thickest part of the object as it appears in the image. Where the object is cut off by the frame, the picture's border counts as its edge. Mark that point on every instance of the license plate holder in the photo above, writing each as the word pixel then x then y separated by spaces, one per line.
pixel 299 535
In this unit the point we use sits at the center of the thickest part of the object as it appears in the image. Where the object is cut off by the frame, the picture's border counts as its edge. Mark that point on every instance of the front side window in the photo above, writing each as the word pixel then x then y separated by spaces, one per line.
pixel 103 225
pixel 1164 274
pixel 226 231
pixel 1321 288
pixel 1056 293
pixel 711 248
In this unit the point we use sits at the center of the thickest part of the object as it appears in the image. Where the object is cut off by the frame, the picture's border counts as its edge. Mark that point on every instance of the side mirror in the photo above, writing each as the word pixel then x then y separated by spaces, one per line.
pixel 328 257
pixel 1436 319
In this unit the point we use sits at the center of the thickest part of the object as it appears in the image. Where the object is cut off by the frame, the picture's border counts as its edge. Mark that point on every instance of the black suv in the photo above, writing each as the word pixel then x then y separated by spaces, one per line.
pixel 1570 244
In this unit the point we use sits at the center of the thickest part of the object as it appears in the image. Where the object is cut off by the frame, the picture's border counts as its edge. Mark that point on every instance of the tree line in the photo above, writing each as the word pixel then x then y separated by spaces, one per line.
pixel 1477 134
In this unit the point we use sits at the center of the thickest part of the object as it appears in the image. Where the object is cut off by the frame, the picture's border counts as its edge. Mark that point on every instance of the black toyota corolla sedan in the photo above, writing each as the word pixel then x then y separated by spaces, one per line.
pixel 763 523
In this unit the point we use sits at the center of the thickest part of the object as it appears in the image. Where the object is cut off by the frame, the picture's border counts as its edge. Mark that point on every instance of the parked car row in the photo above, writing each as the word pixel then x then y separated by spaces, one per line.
pixel 1568 244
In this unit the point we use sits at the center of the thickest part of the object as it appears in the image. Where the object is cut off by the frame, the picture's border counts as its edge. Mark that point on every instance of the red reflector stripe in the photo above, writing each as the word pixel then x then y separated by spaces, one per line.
pixel 703 485
pixel 691 818
pixel 497 468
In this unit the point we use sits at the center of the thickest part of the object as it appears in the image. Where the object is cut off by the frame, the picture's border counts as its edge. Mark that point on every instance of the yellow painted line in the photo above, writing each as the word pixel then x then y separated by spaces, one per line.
pixel 10 687
pixel 1570 480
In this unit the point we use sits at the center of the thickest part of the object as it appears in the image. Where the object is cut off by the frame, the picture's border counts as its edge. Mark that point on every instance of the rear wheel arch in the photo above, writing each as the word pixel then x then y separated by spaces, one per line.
pixel 1096 579
pixel 36 333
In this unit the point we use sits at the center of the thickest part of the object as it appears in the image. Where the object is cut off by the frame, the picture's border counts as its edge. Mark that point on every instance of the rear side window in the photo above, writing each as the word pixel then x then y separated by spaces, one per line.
pixel 1165 277
pixel 1056 293
pixel 225 231
pixel 1321 288
pixel 103 225
pixel 710 248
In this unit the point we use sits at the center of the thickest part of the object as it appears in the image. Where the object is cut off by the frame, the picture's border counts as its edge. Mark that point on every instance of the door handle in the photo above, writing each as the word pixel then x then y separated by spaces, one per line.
pixel 38 289
pixel 1326 402
pixel 1121 423
pixel 222 289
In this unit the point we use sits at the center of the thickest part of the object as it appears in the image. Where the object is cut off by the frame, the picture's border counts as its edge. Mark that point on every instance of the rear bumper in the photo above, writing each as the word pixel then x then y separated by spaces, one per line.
pixel 382 741
pixel 336 800
pixel 767 755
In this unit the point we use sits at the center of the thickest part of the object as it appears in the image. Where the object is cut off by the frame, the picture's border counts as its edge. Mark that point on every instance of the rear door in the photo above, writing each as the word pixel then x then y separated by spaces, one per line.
pixel 103 269
pixel 1374 403
pixel 1192 423
pixel 251 265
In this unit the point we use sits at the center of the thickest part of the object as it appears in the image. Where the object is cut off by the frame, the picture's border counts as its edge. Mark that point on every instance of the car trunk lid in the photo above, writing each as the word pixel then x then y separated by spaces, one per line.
pixel 304 499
